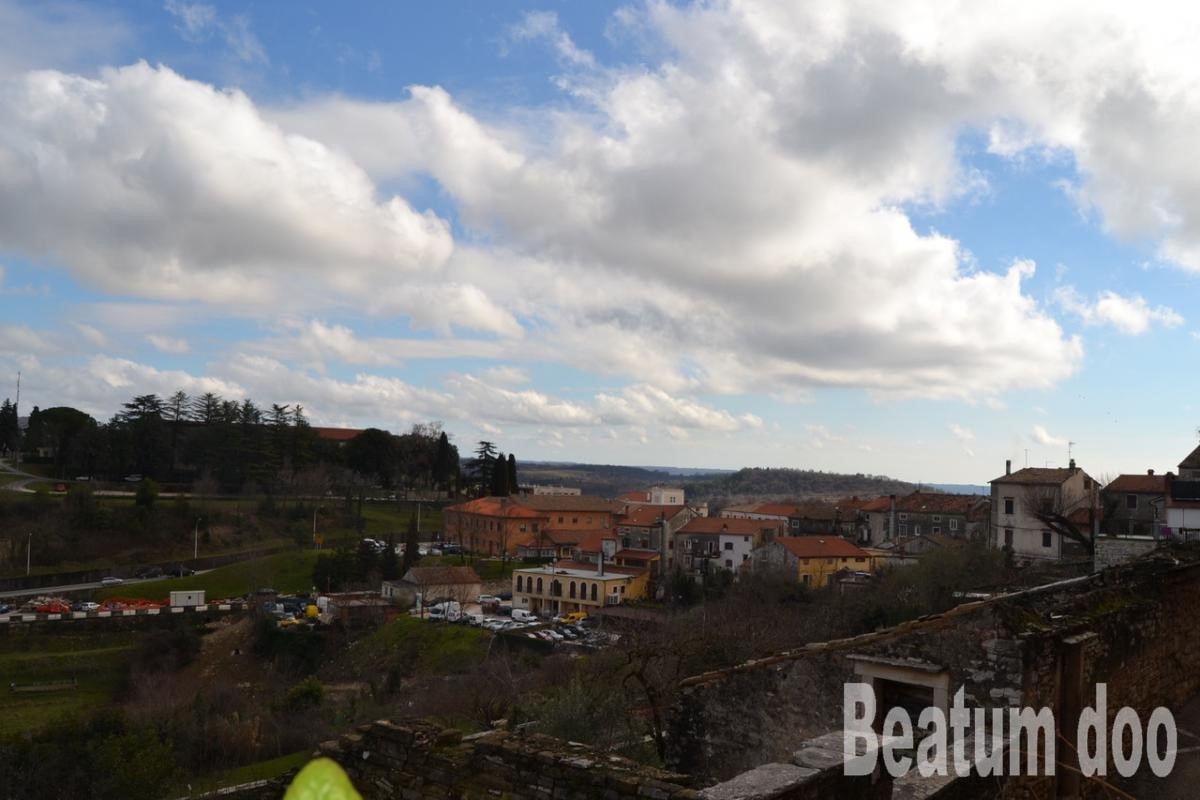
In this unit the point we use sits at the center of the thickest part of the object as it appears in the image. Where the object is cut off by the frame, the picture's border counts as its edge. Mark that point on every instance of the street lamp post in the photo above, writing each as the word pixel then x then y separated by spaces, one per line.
pixel 28 552
pixel 196 539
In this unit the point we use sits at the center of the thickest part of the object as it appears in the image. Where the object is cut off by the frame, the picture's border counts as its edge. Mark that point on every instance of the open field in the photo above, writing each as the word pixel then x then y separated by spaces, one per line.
pixel 284 572
pixel 95 659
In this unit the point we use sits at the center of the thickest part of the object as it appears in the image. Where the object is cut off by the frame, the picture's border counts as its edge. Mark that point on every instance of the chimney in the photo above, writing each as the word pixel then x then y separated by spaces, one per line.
pixel 1072 464
pixel 891 534
pixel 1008 466
pixel 1150 472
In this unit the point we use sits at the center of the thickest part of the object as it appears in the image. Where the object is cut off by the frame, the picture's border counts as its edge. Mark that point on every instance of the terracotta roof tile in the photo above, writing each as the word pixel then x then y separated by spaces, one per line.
pixel 821 547
pixel 730 525
pixel 1138 484
pixel 441 576
pixel 646 515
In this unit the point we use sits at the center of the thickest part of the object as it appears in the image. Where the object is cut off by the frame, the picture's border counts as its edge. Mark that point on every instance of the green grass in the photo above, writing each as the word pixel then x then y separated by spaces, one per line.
pixel 431 648
pixel 96 660
pixel 261 770
pixel 284 572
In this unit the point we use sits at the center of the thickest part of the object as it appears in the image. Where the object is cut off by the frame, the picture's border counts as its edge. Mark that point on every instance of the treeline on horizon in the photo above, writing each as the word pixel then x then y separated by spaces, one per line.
pixel 227 446
pixel 782 483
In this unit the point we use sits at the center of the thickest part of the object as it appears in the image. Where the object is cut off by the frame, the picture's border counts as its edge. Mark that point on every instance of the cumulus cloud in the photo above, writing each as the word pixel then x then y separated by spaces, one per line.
pixel 1131 315
pixel 1044 437
pixel 730 219
pixel 143 182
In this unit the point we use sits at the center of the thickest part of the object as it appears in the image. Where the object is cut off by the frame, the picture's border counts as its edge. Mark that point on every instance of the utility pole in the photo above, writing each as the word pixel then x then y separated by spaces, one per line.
pixel 28 551
pixel 196 539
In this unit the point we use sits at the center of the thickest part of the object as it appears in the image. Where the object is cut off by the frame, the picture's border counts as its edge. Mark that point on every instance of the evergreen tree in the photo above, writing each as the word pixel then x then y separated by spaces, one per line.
pixel 499 476
pixel 511 471
pixel 412 546
pixel 10 428
pixel 389 564
pixel 482 464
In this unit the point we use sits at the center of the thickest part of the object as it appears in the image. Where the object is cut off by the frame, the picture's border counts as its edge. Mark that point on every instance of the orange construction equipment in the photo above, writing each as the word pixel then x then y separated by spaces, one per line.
pixel 129 604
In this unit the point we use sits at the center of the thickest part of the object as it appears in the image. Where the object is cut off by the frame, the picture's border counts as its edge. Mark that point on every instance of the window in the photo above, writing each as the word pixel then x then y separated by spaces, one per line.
pixel 859 559
pixel 729 545
pixel 522 527
pixel 729 563
pixel 903 515
pixel 535 530
pixel 572 590
pixel 937 517
pixel 916 530
pixel 518 583
pixel 560 519
pixel 829 561
pixel 1008 537
pixel 795 523
pixel 936 529
pixel 953 524
pixel 745 538
pixel 574 520
pixel 806 579
pixel 539 589
pixel 1131 502
pixel 1008 505
pixel 593 592
pixel 904 530
pixel 1046 539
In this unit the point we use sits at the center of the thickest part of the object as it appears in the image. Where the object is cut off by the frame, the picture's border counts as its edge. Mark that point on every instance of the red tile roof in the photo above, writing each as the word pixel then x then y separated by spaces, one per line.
pixel 1138 484
pixel 938 503
pixel 821 547
pixel 730 525
pixel 578 502
pixel 1037 476
pixel 442 576
pixel 878 504
pixel 635 497
pixel 638 554
pixel 337 434
pixel 592 541
pixel 609 567
pixel 647 515
pixel 496 507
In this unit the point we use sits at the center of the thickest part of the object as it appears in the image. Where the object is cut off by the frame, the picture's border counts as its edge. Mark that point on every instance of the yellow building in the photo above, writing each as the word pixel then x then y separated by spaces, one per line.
pixel 577 586
pixel 814 559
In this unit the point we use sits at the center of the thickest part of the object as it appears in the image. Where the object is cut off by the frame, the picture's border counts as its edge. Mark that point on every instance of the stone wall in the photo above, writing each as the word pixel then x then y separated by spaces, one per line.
pixel 1113 552
pixel 1127 627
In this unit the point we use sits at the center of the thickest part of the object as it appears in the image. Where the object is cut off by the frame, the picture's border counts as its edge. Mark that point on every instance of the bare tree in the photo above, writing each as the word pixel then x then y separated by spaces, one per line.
pixel 1061 514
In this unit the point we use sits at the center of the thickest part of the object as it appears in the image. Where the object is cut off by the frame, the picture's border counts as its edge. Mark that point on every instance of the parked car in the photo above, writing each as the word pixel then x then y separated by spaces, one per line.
pixel 555 635
pixel 505 595
pixel 573 617
pixel 133 478
pixel 4 609
pixel 452 549
pixel 521 615
pixel 149 572
pixel 448 611
pixel 111 581
pixel 485 599
pixel 86 605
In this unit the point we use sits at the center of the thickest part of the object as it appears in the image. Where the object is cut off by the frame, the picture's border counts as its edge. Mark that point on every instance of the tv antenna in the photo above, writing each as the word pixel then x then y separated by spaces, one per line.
pixel 1069 446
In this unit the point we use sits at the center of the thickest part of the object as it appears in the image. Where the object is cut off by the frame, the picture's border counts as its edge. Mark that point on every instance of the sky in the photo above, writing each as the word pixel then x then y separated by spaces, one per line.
pixel 901 237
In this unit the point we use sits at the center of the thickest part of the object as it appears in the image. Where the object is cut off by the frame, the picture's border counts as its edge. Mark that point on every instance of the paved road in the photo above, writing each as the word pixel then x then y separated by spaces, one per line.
pixel 21 485
pixel 79 587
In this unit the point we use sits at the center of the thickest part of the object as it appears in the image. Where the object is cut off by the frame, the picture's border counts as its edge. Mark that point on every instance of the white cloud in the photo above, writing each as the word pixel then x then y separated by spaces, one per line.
pixel 145 183
pixel 199 21
pixel 92 334
pixel 962 434
pixel 1131 315
pixel 506 375
pixel 543 25
pixel 168 344
pixel 1044 437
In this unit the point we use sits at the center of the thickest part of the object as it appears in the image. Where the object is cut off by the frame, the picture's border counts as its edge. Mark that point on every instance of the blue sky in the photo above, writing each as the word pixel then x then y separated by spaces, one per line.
pixel 891 240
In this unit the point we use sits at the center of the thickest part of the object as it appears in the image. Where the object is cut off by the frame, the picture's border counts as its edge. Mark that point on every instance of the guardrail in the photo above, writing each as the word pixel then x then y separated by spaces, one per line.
pixel 165 611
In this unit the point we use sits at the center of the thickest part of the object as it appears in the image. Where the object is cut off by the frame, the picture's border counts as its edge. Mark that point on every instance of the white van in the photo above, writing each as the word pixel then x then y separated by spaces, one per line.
pixel 521 615
pixel 449 611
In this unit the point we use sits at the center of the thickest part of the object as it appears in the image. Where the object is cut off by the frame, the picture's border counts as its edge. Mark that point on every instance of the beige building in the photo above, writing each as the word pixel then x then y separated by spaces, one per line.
pixel 576 586
pixel 1024 503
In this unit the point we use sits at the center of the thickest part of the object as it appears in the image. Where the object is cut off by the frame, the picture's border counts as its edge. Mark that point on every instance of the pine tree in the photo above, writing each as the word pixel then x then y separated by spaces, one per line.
pixel 511 472
pixel 389 565
pixel 499 477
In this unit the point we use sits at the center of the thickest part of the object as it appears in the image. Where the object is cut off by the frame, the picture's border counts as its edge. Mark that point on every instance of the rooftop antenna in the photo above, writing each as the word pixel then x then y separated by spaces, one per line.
pixel 1027 456
pixel 1069 446
pixel 18 409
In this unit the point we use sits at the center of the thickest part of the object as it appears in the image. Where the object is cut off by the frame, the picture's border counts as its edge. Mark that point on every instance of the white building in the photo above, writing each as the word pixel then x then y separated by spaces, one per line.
pixel 1022 501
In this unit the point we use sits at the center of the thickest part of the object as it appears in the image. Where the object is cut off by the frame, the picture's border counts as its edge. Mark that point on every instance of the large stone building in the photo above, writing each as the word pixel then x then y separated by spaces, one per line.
pixel 707 544
pixel 503 525
pixel 576 586
pixel 1025 502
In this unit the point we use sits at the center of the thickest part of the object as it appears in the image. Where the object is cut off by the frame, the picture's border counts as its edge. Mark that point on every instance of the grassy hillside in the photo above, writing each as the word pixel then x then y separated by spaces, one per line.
pixel 97 660
pixel 284 572
pixel 605 480
pixel 757 483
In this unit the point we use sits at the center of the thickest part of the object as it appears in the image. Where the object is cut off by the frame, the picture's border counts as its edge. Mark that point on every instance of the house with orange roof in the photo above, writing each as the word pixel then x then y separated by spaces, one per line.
pixel 814 560
pixel 1134 505
pixel 1027 502
pixel 503 525
pixel 647 534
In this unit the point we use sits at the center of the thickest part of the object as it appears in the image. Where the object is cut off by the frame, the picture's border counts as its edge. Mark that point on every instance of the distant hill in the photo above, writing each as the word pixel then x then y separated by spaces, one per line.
pixel 606 480
pixel 959 488
pixel 757 483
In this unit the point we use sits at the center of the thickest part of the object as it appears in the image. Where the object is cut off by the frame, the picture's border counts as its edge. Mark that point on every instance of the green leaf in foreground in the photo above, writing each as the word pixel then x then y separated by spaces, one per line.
pixel 322 779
